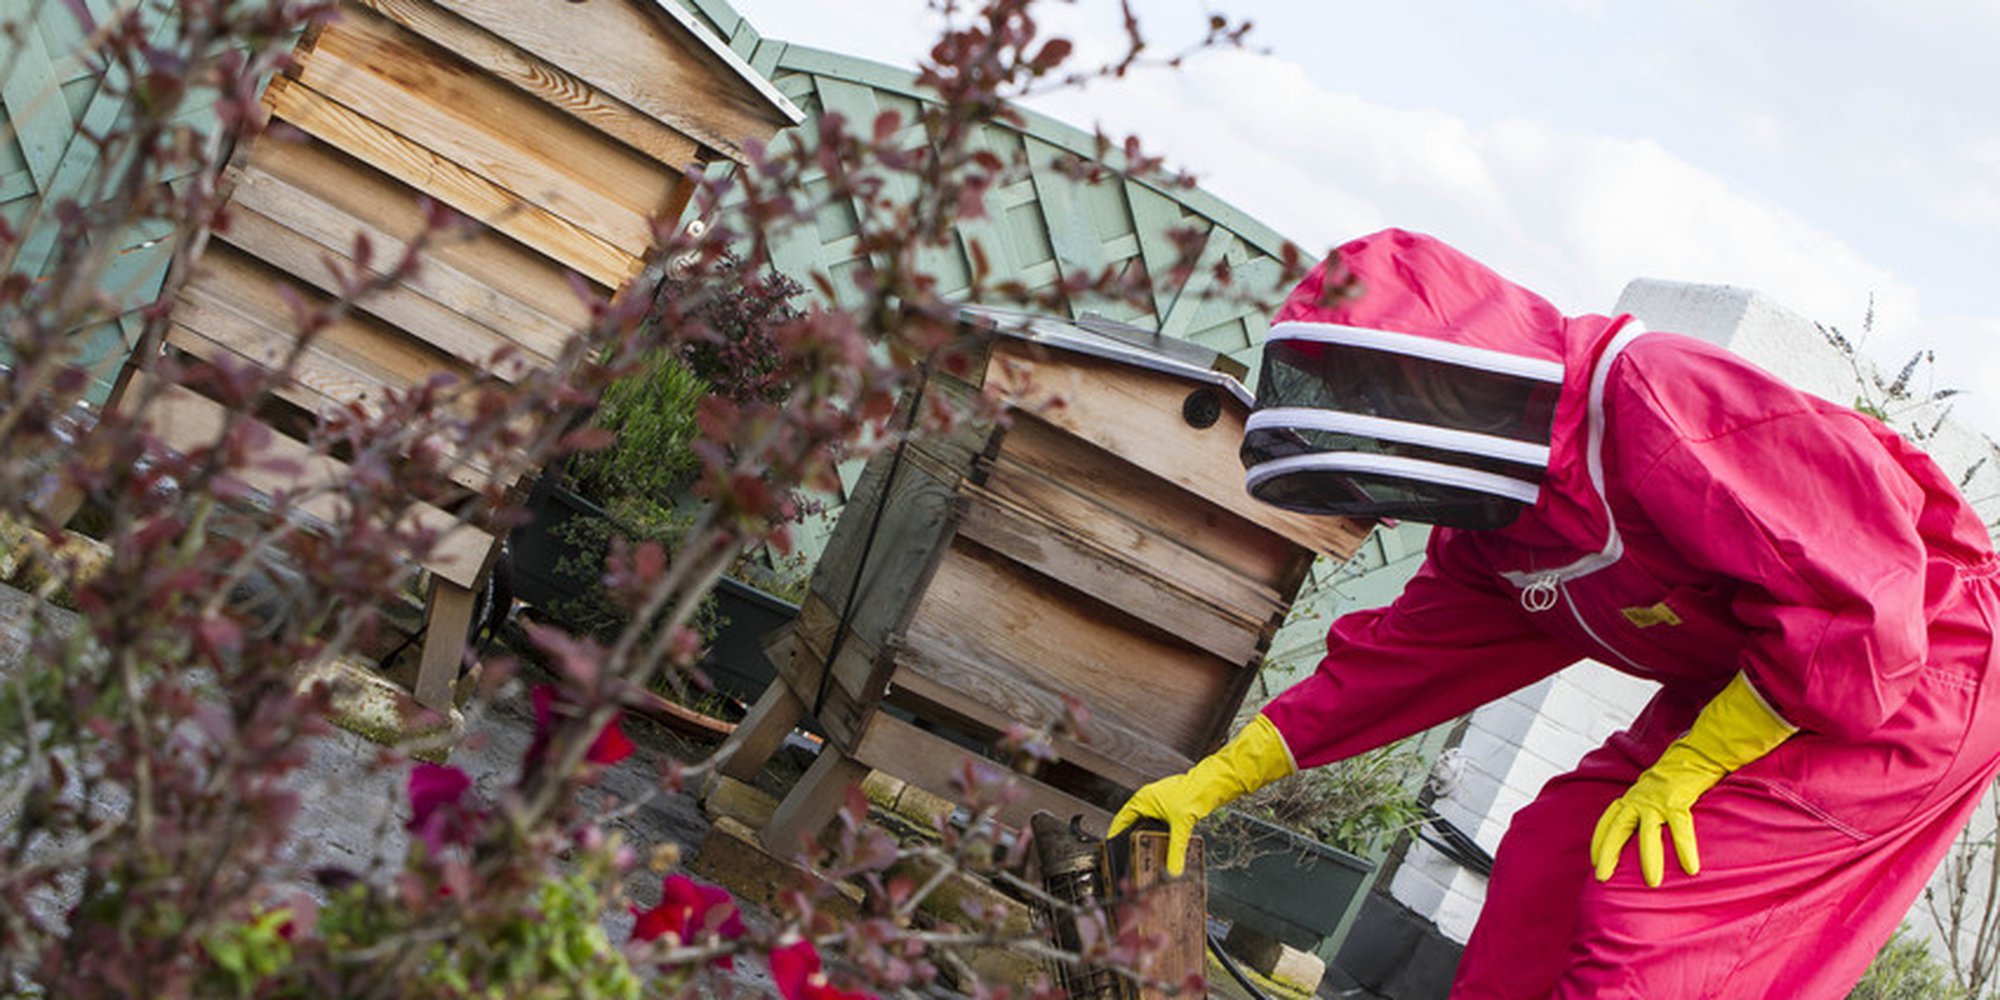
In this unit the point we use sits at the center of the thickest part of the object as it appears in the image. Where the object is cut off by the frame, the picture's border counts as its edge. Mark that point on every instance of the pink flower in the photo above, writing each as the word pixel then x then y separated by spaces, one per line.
pixel 686 909
pixel 610 747
pixel 795 968
pixel 438 811
pixel 689 911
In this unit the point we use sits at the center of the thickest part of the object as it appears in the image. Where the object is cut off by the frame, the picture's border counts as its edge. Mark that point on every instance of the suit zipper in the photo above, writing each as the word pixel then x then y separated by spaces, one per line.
pixel 1543 594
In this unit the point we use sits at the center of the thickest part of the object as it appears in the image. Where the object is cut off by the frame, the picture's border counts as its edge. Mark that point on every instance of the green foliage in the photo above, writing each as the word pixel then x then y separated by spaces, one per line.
pixel 246 955
pixel 555 948
pixel 1358 805
pixel 1905 970
pixel 652 412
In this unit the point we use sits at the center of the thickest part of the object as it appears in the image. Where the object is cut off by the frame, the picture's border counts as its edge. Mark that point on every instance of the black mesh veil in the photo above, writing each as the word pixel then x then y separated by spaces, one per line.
pixel 1365 423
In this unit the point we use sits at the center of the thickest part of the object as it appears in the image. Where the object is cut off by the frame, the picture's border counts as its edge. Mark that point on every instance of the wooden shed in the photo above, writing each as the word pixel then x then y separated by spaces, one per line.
pixel 1095 542
pixel 565 127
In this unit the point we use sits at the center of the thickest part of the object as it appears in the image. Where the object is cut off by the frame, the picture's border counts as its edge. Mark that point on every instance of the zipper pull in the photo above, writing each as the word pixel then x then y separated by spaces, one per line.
pixel 1540 595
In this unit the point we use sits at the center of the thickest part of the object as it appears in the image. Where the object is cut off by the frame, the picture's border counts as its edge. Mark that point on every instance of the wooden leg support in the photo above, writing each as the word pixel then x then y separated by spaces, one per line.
pixel 447 616
pixel 812 802
pixel 759 735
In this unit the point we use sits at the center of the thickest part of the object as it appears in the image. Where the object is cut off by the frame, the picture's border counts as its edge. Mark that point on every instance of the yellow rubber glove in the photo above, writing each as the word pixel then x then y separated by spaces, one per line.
pixel 1254 758
pixel 1737 727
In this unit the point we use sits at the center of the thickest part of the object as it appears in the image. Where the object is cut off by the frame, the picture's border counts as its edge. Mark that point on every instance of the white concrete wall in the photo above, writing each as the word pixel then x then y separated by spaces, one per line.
pixel 1516 744
pixel 1511 748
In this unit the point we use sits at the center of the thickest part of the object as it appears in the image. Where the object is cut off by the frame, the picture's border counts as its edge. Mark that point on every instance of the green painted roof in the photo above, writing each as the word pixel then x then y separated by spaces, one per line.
pixel 1044 224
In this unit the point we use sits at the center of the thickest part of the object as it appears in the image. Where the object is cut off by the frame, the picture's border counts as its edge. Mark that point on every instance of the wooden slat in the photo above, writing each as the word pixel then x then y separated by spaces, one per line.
pixel 205 344
pixel 542 79
pixel 984 609
pixel 493 130
pixel 438 279
pixel 185 421
pixel 811 804
pixel 1135 414
pixel 932 763
pixel 355 134
pixel 235 300
pixel 411 314
pixel 918 512
pixel 525 280
pixel 231 306
pixel 936 681
pixel 859 676
pixel 1039 544
pixel 36 111
pixel 1240 564
pixel 1172 909
pixel 636 56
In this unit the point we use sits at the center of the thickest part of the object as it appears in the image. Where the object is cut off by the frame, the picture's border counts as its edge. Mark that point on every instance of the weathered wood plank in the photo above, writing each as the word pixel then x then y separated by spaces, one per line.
pixel 439 279
pixel 356 135
pixel 985 608
pixel 812 803
pixel 991 695
pixel 859 675
pixel 544 80
pixel 1124 409
pixel 888 561
pixel 634 55
pixel 411 314
pixel 525 280
pixel 491 129
pixel 747 749
pixel 234 299
pixel 1175 909
pixel 185 421
pixel 933 764
pixel 447 618
pixel 1239 563
pixel 1039 544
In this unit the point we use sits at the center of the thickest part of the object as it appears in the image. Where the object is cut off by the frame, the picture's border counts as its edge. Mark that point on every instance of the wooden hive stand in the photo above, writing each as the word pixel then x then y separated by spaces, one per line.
pixel 1095 543
pixel 565 128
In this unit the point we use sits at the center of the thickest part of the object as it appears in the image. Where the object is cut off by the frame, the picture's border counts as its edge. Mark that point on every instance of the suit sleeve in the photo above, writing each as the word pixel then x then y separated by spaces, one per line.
pixel 1454 640
pixel 1817 524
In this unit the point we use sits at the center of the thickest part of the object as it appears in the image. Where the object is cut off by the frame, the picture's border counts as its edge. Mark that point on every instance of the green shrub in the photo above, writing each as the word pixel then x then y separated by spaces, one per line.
pixel 1905 970
pixel 652 412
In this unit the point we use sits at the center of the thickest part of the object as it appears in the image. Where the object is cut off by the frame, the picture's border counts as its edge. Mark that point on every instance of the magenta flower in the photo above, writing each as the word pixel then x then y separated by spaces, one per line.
pixel 438 812
pixel 795 968
pixel 688 912
pixel 610 747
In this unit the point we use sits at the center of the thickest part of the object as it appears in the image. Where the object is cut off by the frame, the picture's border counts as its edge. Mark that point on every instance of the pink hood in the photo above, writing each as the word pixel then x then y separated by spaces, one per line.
pixel 1410 283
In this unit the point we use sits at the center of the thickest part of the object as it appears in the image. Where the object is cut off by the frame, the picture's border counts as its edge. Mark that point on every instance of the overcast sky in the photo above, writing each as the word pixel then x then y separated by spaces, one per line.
pixel 1819 151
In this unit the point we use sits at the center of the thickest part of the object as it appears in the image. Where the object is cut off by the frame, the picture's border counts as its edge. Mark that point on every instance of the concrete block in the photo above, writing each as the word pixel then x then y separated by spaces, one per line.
pixel 725 797
pixel 923 808
pixel 1274 960
pixel 968 901
pixel 731 857
pixel 1506 718
pixel 376 708
pixel 882 789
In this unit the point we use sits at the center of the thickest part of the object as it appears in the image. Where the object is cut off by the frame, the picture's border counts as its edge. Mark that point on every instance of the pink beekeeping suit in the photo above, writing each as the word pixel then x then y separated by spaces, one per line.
pixel 1692 517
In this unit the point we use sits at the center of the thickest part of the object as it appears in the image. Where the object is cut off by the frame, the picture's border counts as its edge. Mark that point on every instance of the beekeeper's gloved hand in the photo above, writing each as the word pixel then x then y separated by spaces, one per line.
pixel 1737 727
pixel 1255 758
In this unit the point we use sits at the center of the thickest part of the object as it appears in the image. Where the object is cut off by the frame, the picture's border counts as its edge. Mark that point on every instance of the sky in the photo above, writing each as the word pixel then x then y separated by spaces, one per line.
pixel 1827 153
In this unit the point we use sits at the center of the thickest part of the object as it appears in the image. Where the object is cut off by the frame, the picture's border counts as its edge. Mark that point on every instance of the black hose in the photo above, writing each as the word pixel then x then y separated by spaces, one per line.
pixel 1229 964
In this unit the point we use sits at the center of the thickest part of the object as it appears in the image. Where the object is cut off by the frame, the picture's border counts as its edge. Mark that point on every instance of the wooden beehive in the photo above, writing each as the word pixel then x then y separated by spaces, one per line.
pixel 565 128
pixel 1095 543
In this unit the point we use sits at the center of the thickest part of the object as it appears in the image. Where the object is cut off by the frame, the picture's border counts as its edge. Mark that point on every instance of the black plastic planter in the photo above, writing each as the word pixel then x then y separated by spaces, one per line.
pixel 735 663
pixel 1284 885
pixel 537 549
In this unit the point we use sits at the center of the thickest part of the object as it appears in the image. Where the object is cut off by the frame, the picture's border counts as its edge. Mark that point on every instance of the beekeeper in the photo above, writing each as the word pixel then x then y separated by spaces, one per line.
pixel 1813 596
